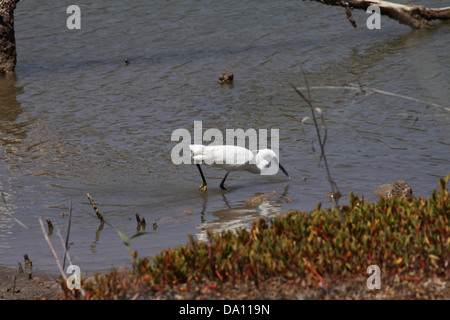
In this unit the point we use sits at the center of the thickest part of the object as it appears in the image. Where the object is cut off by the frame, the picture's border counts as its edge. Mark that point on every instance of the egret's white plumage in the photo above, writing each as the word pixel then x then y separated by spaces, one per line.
pixel 233 158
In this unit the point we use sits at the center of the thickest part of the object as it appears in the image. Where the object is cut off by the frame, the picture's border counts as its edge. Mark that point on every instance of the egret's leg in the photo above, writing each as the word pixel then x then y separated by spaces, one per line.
pixel 223 181
pixel 203 186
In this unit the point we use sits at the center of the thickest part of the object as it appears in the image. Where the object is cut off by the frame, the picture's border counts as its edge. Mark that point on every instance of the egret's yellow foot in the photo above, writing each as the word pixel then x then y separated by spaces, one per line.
pixel 202 187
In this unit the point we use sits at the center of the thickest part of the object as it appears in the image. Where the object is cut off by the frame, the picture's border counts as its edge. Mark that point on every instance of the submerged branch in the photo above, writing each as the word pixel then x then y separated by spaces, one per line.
pixel 366 90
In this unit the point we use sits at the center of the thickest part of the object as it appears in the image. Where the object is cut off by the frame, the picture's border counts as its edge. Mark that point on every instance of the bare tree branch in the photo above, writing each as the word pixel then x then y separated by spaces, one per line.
pixel 415 16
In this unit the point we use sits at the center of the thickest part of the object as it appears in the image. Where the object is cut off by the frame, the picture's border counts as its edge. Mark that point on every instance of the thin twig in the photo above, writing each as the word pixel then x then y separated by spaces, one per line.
pixel 66 247
pixel 61 270
pixel 322 141
pixel 66 250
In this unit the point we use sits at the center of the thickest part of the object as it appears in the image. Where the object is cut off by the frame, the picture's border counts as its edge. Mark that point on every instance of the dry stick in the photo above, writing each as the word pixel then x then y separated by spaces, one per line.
pixel 334 188
pixel 66 246
pixel 66 253
pixel 91 200
pixel 50 226
pixel 321 142
pixel 49 223
pixel 140 222
pixel 348 12
pixel 14 284
pixel 28 265
pixel 52 250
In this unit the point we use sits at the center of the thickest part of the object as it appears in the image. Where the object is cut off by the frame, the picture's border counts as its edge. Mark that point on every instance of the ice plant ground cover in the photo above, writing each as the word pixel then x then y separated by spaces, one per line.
pixel 403 236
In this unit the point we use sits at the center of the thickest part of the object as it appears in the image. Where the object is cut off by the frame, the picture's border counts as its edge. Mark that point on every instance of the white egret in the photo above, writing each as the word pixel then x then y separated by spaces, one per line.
pixel 234 158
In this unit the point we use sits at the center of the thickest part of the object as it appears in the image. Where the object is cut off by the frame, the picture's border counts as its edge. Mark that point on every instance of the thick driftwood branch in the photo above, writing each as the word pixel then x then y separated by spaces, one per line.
pixel 415 16
pixel 7 38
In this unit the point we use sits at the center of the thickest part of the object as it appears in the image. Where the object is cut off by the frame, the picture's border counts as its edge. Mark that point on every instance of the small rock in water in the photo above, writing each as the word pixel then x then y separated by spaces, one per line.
pixel 398 189
pixel 226 77
pixel 255 201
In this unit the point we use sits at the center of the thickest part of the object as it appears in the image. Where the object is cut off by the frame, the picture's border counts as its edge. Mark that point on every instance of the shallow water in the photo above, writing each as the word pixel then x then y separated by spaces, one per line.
pixel 76 119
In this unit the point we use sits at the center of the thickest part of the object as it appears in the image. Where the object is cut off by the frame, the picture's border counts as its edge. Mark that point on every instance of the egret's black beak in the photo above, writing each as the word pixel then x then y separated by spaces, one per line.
pixel 284 170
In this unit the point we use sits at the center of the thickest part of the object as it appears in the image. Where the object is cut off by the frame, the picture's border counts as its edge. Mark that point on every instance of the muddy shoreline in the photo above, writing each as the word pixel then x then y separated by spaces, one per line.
pixel 45 286
pixel 15 285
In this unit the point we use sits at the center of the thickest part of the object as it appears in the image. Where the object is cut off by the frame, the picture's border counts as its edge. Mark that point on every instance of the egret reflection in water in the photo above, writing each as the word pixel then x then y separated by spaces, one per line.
pixel 265 205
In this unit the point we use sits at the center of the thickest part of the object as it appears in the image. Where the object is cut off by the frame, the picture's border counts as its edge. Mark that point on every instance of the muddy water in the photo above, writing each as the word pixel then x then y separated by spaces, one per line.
pixel 76 119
